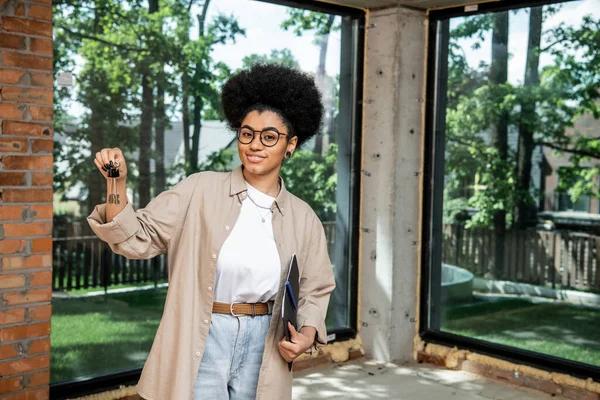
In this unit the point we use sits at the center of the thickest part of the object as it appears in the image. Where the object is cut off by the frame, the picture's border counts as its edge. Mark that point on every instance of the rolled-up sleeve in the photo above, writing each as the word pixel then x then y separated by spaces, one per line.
pixel 144 233
pixel 316 284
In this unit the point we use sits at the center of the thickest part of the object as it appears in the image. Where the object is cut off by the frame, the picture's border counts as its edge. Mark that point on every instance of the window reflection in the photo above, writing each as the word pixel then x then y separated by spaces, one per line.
pixel 521 233
pixel 147 80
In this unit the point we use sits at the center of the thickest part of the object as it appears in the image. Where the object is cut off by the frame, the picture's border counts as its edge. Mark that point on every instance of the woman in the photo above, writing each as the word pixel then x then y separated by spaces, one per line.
pixel 229 239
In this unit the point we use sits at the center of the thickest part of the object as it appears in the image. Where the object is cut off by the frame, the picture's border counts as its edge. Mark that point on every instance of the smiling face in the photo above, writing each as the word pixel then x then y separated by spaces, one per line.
pixel 260 160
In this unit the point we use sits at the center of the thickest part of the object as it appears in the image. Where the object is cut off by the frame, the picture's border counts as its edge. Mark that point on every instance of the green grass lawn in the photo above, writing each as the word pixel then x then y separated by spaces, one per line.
pixel 111 287
pixel 101 334
pixel 561 330
pixel 96 335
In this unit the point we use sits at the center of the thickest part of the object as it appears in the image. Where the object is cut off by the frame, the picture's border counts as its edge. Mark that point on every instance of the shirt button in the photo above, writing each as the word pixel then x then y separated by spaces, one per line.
pixel 206 321
pixel 198 353
pixel 210 288
pixel 227 228
pixel 214 256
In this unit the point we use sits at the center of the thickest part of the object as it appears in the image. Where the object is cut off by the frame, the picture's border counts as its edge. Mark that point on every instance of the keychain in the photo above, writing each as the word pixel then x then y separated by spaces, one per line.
pixel 112 170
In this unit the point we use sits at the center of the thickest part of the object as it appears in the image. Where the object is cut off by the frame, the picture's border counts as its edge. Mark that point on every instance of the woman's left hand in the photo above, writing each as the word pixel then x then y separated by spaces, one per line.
pixel 300 342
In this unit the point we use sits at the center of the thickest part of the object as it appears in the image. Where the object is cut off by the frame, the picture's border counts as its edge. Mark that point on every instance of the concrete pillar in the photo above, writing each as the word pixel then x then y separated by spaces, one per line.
pixel 390 194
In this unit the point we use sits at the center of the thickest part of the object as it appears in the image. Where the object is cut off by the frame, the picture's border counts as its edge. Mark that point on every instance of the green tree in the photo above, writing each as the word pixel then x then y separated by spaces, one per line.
pixel 308 175
pixel 282 57
pixel 302 21
pixel 542 111
pixel 570 90
pixel 124 49
pixel 527 116
pixel 313 178
pixel 476 104
pixel 219 161
pixel 499 137
pixel 105 88
pixel 147 104
pixel 201 77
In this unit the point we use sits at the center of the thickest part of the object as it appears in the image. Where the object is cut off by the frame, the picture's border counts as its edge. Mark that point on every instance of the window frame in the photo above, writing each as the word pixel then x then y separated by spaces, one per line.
pixel 436 83
pixel 354 52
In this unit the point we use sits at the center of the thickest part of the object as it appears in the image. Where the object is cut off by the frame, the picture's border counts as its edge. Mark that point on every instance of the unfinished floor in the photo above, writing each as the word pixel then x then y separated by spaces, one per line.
pixel 371 380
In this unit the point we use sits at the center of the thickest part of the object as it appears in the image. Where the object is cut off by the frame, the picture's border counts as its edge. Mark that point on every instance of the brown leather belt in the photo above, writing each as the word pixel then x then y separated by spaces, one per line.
pixel 235 309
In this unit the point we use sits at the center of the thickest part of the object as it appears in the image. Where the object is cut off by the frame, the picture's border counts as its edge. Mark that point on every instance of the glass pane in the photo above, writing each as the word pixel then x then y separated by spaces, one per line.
pixel 146 78
pixel 520 249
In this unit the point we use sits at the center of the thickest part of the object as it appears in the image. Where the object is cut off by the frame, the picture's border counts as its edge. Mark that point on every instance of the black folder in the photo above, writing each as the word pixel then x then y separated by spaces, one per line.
pixel 291 292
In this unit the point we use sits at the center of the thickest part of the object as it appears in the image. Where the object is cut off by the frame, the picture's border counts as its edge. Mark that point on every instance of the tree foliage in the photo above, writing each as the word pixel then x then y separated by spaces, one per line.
pixel 313 178
pixel 301 21
pixel 308 175
pixel 282 57
pixel 567 89
pixel 137 66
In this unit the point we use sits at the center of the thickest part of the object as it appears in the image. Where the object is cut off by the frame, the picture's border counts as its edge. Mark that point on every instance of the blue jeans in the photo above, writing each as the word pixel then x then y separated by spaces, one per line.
pixel 232 358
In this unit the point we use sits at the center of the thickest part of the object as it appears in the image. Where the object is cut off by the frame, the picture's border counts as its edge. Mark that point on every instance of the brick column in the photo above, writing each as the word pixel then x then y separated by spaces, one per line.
pixel 26 161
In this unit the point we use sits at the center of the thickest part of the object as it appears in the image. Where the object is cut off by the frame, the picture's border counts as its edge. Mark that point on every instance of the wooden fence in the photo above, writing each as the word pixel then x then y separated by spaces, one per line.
pixel 81 262
pixel 558 259
pixel 86 261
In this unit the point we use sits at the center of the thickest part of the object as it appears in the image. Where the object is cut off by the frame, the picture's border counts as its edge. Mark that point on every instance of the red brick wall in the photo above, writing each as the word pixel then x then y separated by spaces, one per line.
pixel 25 197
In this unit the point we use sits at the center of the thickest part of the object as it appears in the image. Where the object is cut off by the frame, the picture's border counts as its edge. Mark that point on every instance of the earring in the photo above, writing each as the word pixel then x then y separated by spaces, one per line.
pixel 288 154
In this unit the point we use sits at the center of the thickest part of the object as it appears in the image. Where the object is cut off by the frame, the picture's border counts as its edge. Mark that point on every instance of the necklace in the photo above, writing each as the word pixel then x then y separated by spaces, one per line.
pixel 257 206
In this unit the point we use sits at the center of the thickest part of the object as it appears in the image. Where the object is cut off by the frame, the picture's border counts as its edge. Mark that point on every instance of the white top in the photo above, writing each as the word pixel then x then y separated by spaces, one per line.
pixel 248 267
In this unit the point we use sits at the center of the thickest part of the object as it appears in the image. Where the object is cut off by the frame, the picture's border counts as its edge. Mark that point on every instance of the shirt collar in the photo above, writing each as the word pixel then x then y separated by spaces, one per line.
pixel 238 187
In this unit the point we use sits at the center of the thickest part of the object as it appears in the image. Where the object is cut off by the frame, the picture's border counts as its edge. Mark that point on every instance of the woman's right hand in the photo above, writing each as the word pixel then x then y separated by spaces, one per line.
pixel 106 156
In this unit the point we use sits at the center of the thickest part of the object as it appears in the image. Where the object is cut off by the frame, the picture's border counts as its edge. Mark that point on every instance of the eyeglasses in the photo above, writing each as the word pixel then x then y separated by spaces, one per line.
pixel 268 137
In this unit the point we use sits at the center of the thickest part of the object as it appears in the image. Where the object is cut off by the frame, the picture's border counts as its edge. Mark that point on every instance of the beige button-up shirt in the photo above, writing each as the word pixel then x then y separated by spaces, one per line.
pixel 190 223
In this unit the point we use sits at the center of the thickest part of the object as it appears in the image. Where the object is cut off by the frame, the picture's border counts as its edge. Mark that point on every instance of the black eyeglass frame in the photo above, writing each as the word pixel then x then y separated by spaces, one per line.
pixel 254 131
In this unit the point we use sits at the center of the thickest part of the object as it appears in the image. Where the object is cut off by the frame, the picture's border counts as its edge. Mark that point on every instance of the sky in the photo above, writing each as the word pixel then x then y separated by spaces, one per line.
pixel 571 13
pixel 263 33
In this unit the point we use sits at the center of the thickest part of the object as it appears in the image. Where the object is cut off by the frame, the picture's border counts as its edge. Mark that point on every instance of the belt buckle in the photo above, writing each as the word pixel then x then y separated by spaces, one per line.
pixel 231 310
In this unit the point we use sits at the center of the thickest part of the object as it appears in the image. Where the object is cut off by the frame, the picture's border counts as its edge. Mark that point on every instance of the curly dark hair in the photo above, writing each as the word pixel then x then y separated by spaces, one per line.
pixel 290 93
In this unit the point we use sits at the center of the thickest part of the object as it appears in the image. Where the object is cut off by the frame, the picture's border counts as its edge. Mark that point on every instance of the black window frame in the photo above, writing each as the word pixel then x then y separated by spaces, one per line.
pixel 354 53
pixel 437 69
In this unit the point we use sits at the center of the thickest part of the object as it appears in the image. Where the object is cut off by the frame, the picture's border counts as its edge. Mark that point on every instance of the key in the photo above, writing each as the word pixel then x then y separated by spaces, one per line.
pixel 113 174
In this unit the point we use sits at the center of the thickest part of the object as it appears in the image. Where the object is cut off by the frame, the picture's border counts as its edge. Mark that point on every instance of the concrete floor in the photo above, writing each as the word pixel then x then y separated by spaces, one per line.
pixel 371 380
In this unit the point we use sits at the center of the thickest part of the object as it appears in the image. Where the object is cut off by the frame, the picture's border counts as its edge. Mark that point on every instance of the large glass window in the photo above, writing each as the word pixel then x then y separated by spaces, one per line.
pixel 146 77
pixel 516 233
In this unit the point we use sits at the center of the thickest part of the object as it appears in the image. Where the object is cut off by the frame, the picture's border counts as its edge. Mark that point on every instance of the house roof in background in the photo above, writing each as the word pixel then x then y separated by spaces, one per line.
pixel 214 136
